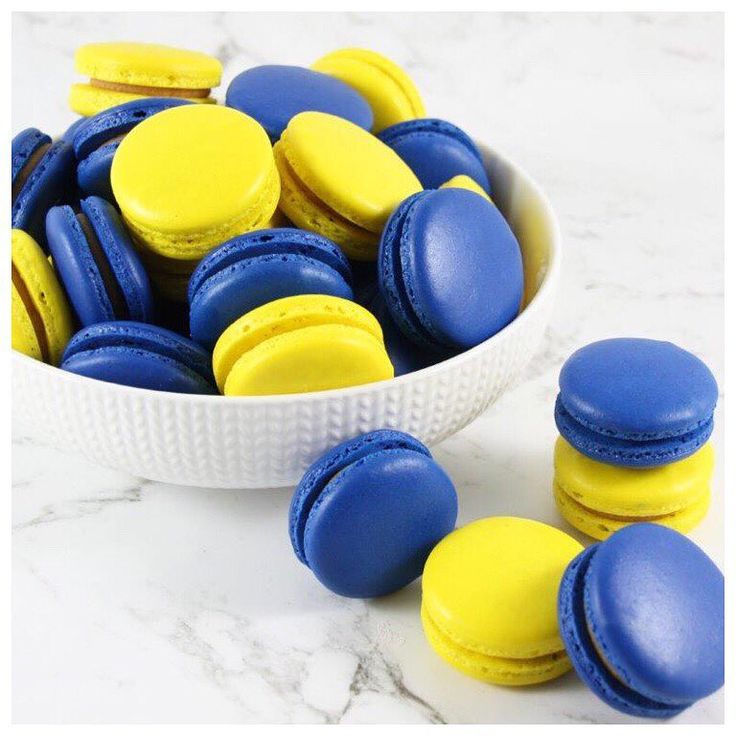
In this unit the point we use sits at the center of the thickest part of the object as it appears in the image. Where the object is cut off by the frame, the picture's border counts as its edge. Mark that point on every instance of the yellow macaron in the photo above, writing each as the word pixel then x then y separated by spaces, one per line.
pixel 120 72
pixel 388 89
pixel 298 344
pixel 192 177
pixel 599 499
pixel 489 599
pixel 463 181
pixel 340 181
pixel 41 319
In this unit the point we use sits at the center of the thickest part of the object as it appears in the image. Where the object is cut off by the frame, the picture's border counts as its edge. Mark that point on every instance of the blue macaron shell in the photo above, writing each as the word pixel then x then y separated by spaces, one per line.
pixel 450 269
pixel 642 617
pixel 633 401
pixel 256 268
pixel 435 151
pixel 70 132
pixel 140 355
pixel 95 148
pixel 50 183
pixel 273 94
pixel 329 464
pixel 375 523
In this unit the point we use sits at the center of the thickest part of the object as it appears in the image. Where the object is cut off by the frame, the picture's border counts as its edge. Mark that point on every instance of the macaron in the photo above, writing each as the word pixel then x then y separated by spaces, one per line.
pixel 97 139
pixel 97 263
pixel 599 498
pixel 340 181
pixel 436 151
pixel 462 181
pixel 384 84
pixel 190 178
pixel 68 134
pixel 273 94
pixel 489 600
pixel 450 269
pixel 635 402
pixel 641 615
pixel 121 72
pixel 43 175
pixel 256 268
pixel 366 514
pixel 41 320
pixel 310 342
pixel 139 355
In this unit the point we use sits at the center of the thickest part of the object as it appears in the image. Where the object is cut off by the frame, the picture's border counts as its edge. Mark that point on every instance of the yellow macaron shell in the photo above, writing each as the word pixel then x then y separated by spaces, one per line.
pixel 489 593
pixel 387 88
pixel 41 319
pixel 339 171
pixel 300 343
pixel 192 177
pixel 463 181
pixel 598 498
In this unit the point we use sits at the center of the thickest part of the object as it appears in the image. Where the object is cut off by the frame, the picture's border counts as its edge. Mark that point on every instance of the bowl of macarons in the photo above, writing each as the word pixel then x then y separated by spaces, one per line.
pixel 214 294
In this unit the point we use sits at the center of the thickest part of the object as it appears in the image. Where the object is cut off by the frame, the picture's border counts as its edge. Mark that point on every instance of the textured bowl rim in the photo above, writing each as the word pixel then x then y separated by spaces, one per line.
pixel 545 287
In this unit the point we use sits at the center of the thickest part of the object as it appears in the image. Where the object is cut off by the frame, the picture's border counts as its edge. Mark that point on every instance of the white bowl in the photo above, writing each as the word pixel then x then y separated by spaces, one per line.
pixel 254 442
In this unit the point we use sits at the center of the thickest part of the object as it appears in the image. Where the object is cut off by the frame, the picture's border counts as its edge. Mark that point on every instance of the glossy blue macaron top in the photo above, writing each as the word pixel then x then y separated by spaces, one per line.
pixel 635 401
pixel 140 355
pixel 97 139
pixel 368 512
pixel 642 618
pixel 435 151
pixel 42 176
pixel 97 263
pixel 255 268
pixel 450 269
pixel 273 94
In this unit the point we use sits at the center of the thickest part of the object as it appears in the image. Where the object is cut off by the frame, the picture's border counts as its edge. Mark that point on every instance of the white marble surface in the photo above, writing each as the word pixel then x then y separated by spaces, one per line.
pixel 140 602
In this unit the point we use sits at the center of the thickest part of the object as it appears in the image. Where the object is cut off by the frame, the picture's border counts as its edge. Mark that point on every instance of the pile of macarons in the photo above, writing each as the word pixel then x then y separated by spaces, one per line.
pixel 317 219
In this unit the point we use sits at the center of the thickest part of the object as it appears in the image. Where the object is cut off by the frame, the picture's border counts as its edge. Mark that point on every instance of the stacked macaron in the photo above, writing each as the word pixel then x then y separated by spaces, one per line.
pixel 634 417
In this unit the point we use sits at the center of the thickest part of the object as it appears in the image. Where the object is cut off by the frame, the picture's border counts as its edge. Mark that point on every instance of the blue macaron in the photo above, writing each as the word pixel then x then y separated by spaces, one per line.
pixel 69 133
pixel 43 176
pixel 273 94
pixel 97 139
pixel 435 151
pixel 635 402
pixel 641 617
pixel 140 355
pixel 256 268
pixel 366 514
pixel 450 269
pixel 97 263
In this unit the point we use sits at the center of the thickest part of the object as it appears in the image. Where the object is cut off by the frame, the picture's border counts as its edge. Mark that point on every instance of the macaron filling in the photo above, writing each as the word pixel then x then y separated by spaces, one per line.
pixel 136 89
pixel 34 315
pixel 27 169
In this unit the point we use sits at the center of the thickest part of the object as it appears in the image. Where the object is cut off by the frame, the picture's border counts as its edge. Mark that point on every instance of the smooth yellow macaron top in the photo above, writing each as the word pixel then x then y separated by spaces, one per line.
pixel 340 180
pixel 300 343
pixel 490 589
pixel 191 177
pixel 41 319
pixel 463 181
pixel 120 72
pixel 386 86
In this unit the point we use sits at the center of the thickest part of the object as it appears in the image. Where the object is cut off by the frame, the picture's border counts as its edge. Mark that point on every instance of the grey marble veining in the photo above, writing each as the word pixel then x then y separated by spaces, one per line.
pixel 140 602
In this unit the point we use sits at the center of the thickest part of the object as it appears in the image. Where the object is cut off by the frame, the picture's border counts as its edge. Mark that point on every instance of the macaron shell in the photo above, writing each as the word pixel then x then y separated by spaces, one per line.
pixel 273 94
pixel 84 99
pixel 491 586
pixel 388 89
pixel 496 670
pixel 372 527
pixel 436 150
pixel 283 316
pixel 461 181
pixel 148 64
pixel 310 359
pixel 163 171
pixel 47 296
pixel 345 167
pixel 93 172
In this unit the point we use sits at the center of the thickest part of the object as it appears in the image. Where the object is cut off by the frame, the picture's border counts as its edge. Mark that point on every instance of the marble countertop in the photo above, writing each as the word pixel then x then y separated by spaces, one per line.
pixel 136 601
